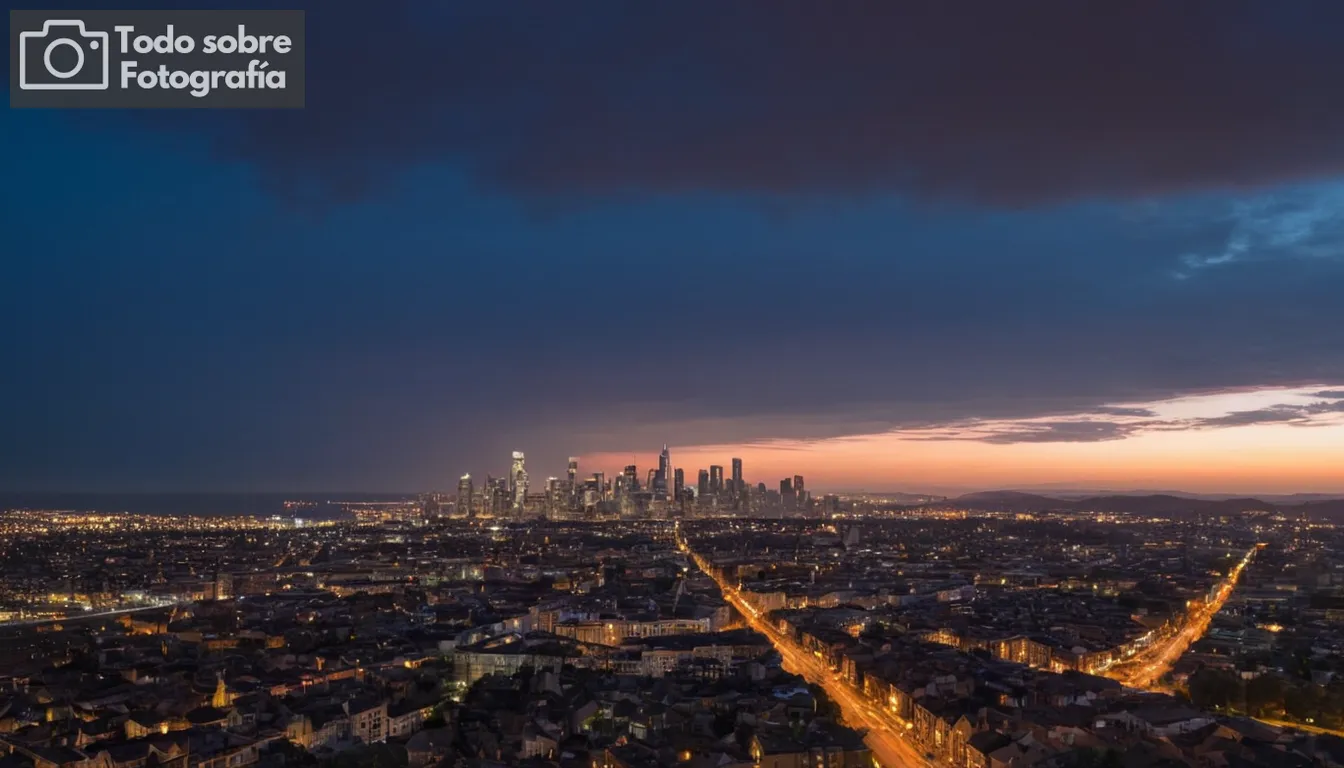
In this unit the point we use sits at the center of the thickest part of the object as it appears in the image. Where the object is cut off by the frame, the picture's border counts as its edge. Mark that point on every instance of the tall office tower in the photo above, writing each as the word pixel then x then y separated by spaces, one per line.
pixel 760 489
pixel 600 480
pixel 464 490
pixel 786 494
pixel 518 479
pixel 663 479
pixel 429 505
pixel 715 478
pixel 631 478
pixel 738 485
pixel 657 483
pixel 678 484
pixel 702 484
pixel 557 494
pixel 830 504
pixel 799 492
pixel 573 472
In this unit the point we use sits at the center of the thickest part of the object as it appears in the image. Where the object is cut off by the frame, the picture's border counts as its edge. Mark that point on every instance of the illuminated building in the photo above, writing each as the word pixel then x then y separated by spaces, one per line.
pixel 830 504
pixel 715 478
pixel 702 485
pixel 678 484
pixel 464 492
pixel 518 481
pixel 738 485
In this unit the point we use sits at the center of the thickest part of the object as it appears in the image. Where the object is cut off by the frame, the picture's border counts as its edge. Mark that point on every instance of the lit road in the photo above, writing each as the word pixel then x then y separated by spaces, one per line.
pixel 1301 726
pixel 884 729
pixel 1145 670
pixel 79 617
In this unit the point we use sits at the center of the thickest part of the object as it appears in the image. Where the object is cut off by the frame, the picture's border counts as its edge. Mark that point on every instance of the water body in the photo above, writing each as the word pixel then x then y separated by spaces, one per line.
pixel 324 505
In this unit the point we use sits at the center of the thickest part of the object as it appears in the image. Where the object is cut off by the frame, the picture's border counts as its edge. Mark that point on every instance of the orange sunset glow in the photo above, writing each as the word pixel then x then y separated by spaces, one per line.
pixel 1261 441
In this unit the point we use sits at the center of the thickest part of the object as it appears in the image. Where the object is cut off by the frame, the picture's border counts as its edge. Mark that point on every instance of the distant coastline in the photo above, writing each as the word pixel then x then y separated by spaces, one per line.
pixel 323 505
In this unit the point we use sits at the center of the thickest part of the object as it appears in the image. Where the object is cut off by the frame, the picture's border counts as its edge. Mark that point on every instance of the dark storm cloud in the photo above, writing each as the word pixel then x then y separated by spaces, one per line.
pixel 1003 103
pixel 426 322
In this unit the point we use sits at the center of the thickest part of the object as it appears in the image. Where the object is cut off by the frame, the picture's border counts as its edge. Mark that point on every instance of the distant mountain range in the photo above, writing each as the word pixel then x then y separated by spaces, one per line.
pixel 1148 504
pixel 1080 493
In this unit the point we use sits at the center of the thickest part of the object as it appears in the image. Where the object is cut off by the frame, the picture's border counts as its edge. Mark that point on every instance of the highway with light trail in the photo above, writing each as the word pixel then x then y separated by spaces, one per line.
pixel 1147 669
pixel 885 736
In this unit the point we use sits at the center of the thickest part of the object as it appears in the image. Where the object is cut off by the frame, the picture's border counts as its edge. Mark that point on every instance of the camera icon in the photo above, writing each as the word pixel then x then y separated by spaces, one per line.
pixel 64 56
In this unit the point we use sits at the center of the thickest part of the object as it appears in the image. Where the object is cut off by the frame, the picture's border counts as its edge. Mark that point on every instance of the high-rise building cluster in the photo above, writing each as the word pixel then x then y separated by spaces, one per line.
pixel 661 493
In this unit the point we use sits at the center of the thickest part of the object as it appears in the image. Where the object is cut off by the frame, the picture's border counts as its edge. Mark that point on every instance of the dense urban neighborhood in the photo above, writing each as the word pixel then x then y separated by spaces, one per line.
pixel 418 636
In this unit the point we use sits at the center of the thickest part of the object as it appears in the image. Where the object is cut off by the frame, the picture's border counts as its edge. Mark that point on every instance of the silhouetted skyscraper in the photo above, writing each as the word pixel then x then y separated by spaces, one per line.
pixel 715 478
pixel 787 495
pixel 663 479
pixel 573 471
pixel 702 485
pixel 678 484
pixel 738 484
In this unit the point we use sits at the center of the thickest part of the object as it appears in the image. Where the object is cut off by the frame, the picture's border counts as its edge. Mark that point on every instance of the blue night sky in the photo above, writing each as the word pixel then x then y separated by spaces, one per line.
pixel 592 228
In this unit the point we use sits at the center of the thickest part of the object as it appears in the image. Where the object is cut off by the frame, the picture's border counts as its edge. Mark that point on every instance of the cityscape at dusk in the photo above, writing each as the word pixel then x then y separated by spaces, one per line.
pixel 708 384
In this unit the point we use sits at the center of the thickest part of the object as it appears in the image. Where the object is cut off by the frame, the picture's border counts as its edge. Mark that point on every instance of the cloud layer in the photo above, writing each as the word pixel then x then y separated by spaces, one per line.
pixel 582 227
pixel 1302 408
pixel 990 102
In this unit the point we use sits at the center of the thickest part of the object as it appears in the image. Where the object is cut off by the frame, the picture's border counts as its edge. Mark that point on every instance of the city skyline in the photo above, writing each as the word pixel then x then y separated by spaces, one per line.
pixel 1214 422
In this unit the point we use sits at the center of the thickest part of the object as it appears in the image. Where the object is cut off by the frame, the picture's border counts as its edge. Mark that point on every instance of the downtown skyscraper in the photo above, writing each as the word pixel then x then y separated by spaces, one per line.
pixel 464 494
pixel 518 484
pixel 662 480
